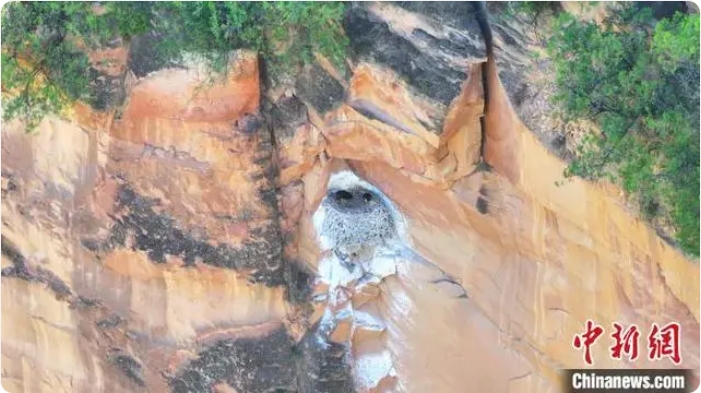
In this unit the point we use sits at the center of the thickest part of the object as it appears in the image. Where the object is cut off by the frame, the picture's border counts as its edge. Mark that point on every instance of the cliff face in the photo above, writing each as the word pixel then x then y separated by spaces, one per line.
pixel 194 238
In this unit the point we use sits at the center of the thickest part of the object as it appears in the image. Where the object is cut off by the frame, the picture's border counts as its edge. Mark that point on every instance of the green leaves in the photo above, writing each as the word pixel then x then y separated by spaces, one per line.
pixel 43 69
pixel 676 41
pixel 530 9
pixel 130 18
pixel 54 72
pixel 285 33
pixel 640 85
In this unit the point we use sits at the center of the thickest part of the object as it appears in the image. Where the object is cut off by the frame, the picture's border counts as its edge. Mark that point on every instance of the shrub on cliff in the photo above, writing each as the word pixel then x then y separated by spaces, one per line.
pixel 44 66
pixel 286 33
pixel 639 81
pixel 530 9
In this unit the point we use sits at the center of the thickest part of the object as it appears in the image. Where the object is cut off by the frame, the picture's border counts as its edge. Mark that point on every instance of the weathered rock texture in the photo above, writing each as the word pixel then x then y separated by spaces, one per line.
pixel 170 242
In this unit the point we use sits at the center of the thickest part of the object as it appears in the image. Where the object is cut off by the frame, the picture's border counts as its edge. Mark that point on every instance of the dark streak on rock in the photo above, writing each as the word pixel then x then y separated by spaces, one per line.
pixel 323 367
pixel 320 89
pixel 270 364
pixel 91 244
pixel 11 183
pixel 456 45
pixel 453 282
pixel 248 365
pixel 182 158
pixel 286 115
pixel 507 35
pixel 158 235
pixel 54 283
pixel 145 56
pixel 248 124
pixel 82 302
pixel 482 205
pixel 105 91
pixel 299 283
pixel 372 112
pixel 457 14
pixel 19 265
pixel 19 269
pixel 371 38
pixel 129 366
pixel 110 322
pixel 483 166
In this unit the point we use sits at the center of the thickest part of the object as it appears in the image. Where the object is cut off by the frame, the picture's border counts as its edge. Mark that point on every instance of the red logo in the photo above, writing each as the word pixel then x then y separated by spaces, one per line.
pixel 662 341
pixel 626 342
pixel 665 342
pixel 587 339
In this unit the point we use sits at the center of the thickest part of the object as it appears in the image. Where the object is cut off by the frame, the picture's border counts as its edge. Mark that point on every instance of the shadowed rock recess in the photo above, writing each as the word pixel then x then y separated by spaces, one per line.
pixel 376 229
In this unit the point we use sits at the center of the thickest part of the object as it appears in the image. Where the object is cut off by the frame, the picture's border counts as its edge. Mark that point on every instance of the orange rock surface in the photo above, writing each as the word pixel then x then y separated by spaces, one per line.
pixel 136 241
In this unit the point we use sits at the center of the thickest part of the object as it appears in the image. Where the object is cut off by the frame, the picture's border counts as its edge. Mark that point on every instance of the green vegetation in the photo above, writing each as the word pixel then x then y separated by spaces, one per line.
pixel 530 9
pixel 285 33
pixel 44 66
pixel 636 78
pixel 639 82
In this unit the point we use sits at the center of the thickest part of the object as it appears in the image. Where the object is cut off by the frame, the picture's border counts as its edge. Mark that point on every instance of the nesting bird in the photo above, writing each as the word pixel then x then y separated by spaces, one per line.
pixel 356 221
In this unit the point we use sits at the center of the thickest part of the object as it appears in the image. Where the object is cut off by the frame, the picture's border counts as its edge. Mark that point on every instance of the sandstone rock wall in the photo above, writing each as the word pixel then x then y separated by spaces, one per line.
pixel 170 243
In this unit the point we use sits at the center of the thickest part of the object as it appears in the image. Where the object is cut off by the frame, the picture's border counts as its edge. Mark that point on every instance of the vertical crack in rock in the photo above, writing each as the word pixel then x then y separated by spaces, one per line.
pixel 279 123
pixel 482 18
pixel 266 158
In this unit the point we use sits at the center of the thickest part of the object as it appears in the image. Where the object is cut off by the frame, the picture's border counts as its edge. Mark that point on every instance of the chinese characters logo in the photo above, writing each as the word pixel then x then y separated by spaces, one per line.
pixel 661 341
